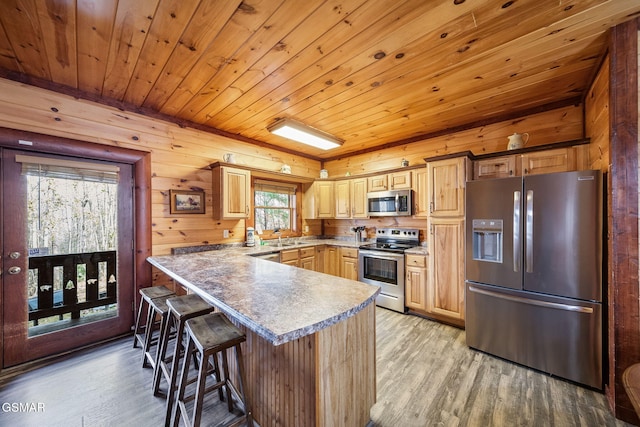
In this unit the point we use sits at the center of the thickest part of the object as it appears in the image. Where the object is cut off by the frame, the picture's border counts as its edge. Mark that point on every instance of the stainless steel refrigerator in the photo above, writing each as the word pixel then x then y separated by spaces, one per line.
pixel 534 272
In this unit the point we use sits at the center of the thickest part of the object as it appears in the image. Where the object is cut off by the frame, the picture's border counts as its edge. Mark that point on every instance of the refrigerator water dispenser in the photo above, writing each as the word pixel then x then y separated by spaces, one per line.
pixel 487 240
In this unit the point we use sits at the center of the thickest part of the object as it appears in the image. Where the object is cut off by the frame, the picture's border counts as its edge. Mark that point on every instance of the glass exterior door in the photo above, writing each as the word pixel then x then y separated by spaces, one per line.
pixel 68 249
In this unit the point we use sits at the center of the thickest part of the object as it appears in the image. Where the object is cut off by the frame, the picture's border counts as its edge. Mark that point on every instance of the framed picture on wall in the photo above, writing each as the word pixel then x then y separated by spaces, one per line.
pixel 186 202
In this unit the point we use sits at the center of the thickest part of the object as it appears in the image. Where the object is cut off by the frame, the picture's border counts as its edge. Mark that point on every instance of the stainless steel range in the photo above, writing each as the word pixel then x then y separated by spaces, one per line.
pixel 382 264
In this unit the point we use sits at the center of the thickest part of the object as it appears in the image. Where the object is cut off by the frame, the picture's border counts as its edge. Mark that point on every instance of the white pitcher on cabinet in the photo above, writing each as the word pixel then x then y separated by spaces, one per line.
pixel 516 141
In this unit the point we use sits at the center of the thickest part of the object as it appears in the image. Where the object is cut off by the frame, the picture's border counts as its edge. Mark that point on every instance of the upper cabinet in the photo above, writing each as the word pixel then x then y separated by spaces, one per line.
pixel 231 192
pixel 446 183
pixel 378 183
pixel 351 198
pixel 319 200
pixel 419 184
pixel 400 180
pixel 359 198
pixel 495 167
pixel 533 162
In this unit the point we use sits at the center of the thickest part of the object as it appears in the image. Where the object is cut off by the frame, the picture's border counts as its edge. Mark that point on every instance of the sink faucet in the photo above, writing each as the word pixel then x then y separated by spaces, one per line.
pixel 277 231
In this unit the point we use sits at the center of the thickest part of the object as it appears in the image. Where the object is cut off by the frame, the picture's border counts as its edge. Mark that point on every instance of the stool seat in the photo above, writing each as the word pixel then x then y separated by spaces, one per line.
pixel 147 294
pixel 212 335
pixel 155 292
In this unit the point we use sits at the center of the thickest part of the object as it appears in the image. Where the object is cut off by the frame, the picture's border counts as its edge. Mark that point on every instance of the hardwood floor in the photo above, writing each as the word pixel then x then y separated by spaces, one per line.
pixel 427 376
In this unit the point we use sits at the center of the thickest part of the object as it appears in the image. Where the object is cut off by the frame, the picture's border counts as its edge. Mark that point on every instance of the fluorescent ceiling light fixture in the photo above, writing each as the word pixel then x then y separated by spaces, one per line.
pixel 300 132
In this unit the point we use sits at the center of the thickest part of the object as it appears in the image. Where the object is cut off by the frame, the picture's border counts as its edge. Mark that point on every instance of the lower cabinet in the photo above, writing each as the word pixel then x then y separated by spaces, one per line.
pixel 303 258
pixel 416 282
pixel 321 251
pixel 289 257
pixel 445 279
pixel 332 261
pixel 349 263
pixel 308 258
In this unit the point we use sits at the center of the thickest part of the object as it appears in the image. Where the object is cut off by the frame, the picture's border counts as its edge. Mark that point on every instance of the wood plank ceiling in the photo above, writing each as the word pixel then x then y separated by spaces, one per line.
pixel 371 72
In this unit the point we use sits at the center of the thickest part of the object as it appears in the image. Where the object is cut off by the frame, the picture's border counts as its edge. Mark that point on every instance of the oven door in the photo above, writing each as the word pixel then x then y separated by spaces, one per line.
pixel 384 269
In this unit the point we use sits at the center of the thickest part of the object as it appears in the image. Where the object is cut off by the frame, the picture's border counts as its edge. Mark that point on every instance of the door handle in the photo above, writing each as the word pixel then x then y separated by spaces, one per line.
pixel 14 270
pixel 528 236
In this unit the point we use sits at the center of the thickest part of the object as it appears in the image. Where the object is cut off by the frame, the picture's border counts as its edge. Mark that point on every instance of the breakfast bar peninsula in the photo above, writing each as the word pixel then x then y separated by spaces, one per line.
pixel 310 349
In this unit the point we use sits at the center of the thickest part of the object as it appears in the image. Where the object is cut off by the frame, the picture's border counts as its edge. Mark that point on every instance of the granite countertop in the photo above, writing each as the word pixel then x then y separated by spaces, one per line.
pixel 276 301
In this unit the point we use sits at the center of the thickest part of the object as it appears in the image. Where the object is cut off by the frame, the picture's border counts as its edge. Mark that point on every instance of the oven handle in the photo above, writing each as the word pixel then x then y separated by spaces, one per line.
pixel 381 255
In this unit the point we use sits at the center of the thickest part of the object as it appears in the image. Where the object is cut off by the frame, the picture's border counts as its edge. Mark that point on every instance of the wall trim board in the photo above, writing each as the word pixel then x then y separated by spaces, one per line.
pixel 623 308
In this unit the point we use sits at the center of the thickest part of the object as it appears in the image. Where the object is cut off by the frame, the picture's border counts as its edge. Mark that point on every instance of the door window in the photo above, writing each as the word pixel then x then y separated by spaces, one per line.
pixel 72 232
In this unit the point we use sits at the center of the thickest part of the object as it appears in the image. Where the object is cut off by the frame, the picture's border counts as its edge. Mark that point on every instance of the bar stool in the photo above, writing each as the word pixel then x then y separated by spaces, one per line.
pixel 210 335
pixel 139 332
pixel 181 309
pixel 157 307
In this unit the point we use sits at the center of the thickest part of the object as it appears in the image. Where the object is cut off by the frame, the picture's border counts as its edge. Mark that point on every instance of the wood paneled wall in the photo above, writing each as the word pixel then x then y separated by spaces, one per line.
pixel 597 116
pixel 563 124
pixel 180 156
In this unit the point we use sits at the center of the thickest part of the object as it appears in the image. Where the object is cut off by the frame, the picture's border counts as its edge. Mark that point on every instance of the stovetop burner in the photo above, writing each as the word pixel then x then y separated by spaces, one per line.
pixel 394 240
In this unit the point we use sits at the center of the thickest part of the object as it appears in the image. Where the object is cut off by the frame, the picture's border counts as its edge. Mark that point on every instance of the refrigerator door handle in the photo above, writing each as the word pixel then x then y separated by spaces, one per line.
pixel 529 233
pixel 517 255
pixel 547 304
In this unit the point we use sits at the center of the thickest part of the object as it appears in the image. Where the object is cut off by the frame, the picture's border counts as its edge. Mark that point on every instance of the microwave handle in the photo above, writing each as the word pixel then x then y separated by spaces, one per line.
pixel 397 203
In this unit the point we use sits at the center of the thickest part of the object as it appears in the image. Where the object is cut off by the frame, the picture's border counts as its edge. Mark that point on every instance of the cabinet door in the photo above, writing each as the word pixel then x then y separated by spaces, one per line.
pixel 308 263
pixel 400 180
pixel 549 161
pixel 446 187
pixel 359 198
pixel 349 263
pixel 419 181
pixel 332 261
pixel 324 199
pixel 289 257
pixel 232 193
pixel 320 258
pixel 445 285
pixel 497 167
pixel 343 199
pixel 377 183
pixel 416 288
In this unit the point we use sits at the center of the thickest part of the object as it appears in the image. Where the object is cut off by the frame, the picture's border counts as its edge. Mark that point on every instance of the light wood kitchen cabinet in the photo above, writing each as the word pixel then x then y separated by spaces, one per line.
pixel 343 199
pixel 400 180
pixel 303 257
pixel 359 198
pixel 318 200
pixel 446 239
pixel 416 282
pixel 332 261
pixel 231 192
pixel 349 263
pixel 419 181
pixel 534 162
pixel 446 179
pixel 445 283
pixel 496 167
pixel 548 161
pixel 289 257
pixel 378 183
pixel 307 258
pixel 321 251
pixel 351 198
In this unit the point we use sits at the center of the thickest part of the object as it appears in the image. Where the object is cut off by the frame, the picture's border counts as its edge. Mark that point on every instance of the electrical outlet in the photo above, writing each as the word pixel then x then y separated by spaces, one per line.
pixel 225 234
pixel 306 228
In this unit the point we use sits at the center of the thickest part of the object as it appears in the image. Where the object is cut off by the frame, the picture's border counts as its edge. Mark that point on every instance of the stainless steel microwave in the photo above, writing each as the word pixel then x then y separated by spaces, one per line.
pixel 389 203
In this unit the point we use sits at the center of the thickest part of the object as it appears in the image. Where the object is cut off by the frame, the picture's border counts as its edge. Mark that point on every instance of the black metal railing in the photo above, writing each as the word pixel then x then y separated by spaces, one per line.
pixel 95 270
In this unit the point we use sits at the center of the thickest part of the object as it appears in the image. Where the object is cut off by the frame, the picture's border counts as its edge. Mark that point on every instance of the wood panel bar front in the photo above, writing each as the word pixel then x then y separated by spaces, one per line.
pixel 324 379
